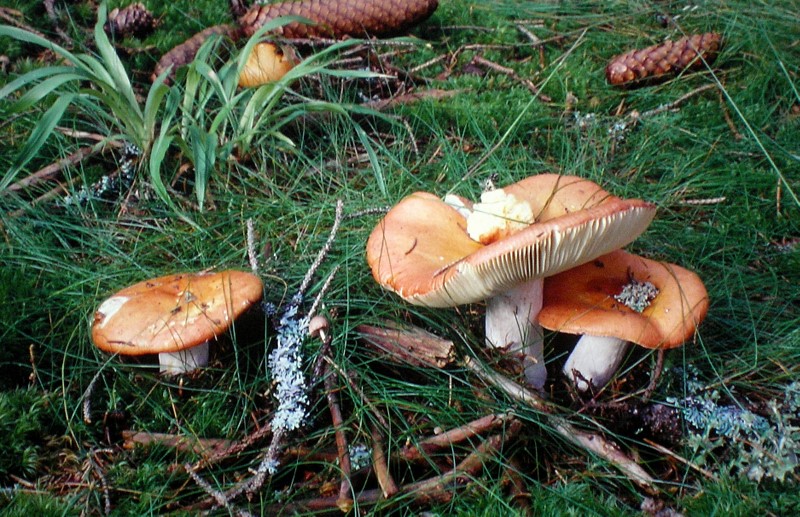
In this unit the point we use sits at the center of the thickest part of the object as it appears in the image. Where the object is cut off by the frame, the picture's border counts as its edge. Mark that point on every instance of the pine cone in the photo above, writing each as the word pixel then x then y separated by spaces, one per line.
pixel 659 60
pixel 132 20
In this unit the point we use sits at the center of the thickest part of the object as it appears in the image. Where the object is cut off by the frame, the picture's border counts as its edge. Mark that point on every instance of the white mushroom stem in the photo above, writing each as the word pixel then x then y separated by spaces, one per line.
pixel 594 360
pixel 173 363
pixel 511 324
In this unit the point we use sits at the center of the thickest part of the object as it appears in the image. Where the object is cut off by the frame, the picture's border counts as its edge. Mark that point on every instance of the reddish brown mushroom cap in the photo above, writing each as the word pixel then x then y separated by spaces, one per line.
pixel 421 250
pixel 174 312
pixel 582 301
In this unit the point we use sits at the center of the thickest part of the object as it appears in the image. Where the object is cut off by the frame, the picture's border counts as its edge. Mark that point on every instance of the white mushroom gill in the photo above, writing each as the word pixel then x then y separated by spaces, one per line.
pixel 595 359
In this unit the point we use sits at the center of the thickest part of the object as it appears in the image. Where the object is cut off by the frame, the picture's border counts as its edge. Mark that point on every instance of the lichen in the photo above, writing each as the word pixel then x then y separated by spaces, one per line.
pixel 637 295
pixel 737 440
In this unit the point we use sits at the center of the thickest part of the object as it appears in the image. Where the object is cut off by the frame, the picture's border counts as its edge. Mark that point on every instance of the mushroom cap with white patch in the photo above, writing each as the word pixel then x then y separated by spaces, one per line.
pixel 421 250
pixel 173 313
pixel 585 300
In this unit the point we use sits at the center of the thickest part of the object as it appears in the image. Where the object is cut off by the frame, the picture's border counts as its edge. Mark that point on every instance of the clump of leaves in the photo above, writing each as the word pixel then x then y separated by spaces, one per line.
pixel 206 116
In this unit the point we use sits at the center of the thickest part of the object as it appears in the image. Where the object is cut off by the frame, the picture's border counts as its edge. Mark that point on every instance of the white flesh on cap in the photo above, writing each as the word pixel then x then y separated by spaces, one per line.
pixel 511 324
pixel 174 363
pixel 594 360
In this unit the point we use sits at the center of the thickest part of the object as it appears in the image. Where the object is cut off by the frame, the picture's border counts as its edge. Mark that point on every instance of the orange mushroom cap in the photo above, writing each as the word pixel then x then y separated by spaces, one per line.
pixel 422 252
pixel 173 313
pixel 582 301
pixel 266 63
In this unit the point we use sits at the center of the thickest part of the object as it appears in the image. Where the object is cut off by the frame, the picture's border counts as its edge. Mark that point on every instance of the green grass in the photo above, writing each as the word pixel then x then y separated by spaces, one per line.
pixel 314 146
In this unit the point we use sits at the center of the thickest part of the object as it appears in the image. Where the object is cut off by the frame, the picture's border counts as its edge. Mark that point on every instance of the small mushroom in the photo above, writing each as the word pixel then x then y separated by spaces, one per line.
pixel 617 299
pixel 174 316
pixel 266 63
pixel 447 253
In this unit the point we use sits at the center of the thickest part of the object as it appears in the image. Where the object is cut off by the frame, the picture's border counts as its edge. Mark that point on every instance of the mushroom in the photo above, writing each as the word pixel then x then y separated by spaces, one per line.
pixel 266 63
pixel 422 250
pixel 174 316
pixel 617 299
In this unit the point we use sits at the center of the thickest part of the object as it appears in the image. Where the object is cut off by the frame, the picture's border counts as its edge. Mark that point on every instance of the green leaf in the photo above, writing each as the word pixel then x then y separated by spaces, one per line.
pixel 32 77
pixel 42 90
pixel 37 137
pixel 373 160
pixel 29 37
pixel 203 147
pixel 112 62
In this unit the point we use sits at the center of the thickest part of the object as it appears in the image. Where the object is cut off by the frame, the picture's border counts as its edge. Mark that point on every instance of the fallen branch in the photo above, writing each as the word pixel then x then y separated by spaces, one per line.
pixel 436 489
pixel 409 345
pixel 345 501
pixel 459 434
pixel 207 447
pixel 591 442
pixel 52 171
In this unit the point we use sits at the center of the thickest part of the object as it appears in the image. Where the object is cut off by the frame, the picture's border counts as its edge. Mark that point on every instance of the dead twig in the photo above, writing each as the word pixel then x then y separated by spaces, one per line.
pixel 87 396
pixel 663 450
pixel 459 434
pixel 218 496
pixel 510 72
pixel 591 442
pixel 436 489
pixel 727 116
pixel 380 465
pixel 207 447
pixel 654 375
pixel 345 501
pixel 49 7
pixel 409 345
pixel 52 171
pixel 13 17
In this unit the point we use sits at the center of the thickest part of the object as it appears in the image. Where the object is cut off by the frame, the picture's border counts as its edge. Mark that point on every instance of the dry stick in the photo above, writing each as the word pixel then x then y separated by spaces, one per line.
pixel 654 376
pixel 454 436
pixel 591 442
pixel 58 190
pixel 53 170
pixel 677 102
pixel 527 83
pixel 345 501
pixel 323 290
pixel 269 459
pixel 434 489
pixel 51 13
pixel 218 496
pixel 103 481
pixel 251 247
pixel 87 398
pixel 380 465
pixel 326 248
pixel 663 450
pixel 727 116
pixel 34 375
pixel 208 447
pixel 536 42
pixel 11 15
pixel 361 395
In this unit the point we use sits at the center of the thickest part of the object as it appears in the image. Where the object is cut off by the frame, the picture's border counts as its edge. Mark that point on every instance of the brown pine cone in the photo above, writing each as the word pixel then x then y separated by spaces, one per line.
pixel 341 18
pixel 659 60
pixel 333 19
pixel 134 19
